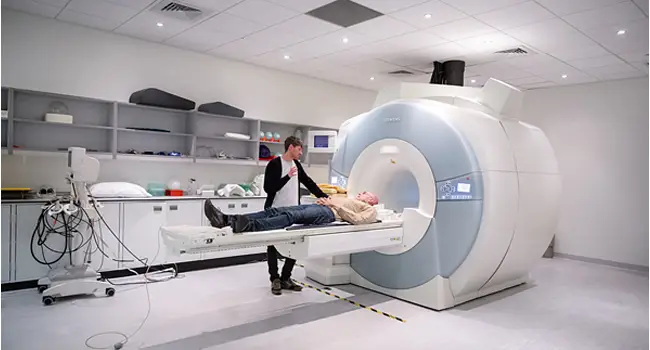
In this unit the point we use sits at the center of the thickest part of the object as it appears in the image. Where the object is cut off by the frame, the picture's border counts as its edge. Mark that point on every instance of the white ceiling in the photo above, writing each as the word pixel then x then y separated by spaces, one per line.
pixel 571 41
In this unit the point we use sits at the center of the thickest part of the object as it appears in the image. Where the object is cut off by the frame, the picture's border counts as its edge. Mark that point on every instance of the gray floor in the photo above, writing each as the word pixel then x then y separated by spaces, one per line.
pixel 571 305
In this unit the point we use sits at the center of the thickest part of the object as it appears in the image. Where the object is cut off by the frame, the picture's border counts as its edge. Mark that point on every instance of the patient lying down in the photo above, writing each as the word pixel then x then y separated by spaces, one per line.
pixel 356 211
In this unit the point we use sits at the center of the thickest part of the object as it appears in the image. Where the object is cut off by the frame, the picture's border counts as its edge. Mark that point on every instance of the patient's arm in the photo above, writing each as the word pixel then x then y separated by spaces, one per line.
pixel 365 215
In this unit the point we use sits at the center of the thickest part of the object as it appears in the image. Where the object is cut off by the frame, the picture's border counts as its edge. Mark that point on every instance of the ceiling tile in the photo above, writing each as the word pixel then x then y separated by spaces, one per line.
pixel 301 6
pixel 605 72
pixel 228 23
pixel 543 35
pixel 274 38
pixel 310 66
pixel 461 29
pixel 215 5
pixel 642 66
pixel 426 55
pixel 134 4
pixel 374 67
pixel 564 7
pixel 552 66
pixel 489 42
pixel 622 75
pixel 544 84
pixel 500 70
pixel 306 27
pixel 534 60
pixel 347 57
pixel 516 15
pixel 568 77
pixel 389 6
pixel 382 28
pixel 144 26
pixel 568 53
pixel 198 39
pixel 439 11
pixel 596 62
pixel 635 38
pixel 33 7
pixel 475 7
pixel 327 44
pixel 616 14
pixel 240 49
pixel 57 3
pixel 413 41
pixel 635 57
pixel 88 20
pixel 643 5
pixel 262 12
pixel 102 9
pixel 526 80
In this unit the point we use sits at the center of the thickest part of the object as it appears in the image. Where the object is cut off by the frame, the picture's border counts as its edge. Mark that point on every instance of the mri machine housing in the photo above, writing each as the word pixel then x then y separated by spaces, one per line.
pixel 479 191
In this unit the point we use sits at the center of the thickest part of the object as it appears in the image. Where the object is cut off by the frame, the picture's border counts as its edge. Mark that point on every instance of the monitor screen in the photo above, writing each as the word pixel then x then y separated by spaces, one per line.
pixel 463 187
pixel 321 141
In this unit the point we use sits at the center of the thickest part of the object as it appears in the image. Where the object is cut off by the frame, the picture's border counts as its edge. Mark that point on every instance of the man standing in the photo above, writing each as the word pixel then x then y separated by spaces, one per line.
pixel 282 179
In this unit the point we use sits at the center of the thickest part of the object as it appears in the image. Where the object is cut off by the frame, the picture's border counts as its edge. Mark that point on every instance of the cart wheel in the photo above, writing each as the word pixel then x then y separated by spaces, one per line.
pixel 42 288
pixel 110 292
pixel 47 301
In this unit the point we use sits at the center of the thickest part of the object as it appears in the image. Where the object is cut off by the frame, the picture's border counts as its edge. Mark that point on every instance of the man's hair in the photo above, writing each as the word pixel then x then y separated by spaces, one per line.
pixel 291 141
pixel 374 200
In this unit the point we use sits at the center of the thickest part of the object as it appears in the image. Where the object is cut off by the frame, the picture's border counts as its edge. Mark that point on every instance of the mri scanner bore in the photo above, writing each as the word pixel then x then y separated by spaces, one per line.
pixel 477 191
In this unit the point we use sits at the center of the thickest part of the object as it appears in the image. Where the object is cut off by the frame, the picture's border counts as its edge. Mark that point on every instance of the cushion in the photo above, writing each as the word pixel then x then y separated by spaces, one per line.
pixel 221 108
pixel 118 190
pixel 159 98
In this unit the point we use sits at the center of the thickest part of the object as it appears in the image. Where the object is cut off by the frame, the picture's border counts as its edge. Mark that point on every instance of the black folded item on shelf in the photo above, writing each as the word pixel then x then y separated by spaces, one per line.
pixel 159 98
pixel 221 108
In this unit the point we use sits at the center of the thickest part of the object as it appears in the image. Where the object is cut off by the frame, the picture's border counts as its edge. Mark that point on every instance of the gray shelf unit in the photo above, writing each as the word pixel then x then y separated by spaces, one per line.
pixel 107 127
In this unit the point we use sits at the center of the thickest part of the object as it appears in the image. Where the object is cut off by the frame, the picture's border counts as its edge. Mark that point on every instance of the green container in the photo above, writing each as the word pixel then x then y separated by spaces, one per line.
pixel 156 189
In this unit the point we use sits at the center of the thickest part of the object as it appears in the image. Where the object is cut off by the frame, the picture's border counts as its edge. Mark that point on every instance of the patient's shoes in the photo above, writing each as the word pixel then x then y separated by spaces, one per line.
pixel 240 223
pixel 216 217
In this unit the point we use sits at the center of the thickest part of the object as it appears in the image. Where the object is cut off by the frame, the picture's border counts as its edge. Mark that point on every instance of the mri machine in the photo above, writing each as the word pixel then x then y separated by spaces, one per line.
pixel 477 192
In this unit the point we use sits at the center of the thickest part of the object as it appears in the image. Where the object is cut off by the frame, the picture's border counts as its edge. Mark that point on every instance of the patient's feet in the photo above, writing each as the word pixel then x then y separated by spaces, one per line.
pixel 240 223
pixel 216 217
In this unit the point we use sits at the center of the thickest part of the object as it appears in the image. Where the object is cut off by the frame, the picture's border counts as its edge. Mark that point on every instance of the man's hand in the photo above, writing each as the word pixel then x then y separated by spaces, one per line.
pixel 325 201
pixel 293 171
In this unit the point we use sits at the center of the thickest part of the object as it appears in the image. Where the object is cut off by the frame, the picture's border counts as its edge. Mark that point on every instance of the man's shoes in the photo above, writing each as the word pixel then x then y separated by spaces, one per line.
pixel 276 287
pixel 290 285
pixel 215 216
pixel 240 223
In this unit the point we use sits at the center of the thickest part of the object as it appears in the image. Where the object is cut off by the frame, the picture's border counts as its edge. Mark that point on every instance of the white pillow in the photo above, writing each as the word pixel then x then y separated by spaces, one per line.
pixel 118 190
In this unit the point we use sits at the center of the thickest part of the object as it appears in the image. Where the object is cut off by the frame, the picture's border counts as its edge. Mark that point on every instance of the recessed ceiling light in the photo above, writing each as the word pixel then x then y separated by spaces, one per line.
pixel 427 16
pixel 159 24
pixel 620 32
pixel 372 78
pixel 345 40
pixel 564 76
pixel 487 42
pixel 287 57
pixel 473 81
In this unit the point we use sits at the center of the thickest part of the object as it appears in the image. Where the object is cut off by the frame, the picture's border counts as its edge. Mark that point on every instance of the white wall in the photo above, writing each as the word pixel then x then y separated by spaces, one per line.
pixel 600 135
pixel 46 55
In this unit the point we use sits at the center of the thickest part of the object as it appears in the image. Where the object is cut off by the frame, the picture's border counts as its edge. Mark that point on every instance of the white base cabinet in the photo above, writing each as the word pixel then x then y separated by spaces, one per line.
pixel 136 223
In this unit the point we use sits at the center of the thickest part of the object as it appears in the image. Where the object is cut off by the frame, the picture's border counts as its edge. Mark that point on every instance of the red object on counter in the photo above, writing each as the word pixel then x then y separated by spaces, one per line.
pixel 174 193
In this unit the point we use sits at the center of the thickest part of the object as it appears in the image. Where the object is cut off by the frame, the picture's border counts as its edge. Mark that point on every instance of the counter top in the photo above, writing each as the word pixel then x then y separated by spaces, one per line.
pixel 153 199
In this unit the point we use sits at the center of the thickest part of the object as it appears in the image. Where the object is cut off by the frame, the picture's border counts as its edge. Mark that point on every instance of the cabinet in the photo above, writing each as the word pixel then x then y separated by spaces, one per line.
pixel 111 214
pixel 6 264
pixel 181 213
pixel 142 222
pixel 27 268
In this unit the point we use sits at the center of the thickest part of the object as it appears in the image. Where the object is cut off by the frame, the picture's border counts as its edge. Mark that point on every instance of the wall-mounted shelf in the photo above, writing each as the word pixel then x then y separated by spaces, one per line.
pixel 110 130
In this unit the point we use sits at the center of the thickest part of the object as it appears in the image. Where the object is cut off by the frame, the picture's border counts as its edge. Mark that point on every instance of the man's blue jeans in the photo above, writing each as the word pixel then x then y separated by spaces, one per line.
pixel 278 218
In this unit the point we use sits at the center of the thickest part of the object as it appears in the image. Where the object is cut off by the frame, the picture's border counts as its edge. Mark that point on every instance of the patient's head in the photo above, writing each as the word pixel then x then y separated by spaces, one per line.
pixel 368 197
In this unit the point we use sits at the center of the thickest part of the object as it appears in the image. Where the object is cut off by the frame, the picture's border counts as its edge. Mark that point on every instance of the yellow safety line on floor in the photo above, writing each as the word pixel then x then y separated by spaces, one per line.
pixel 350 301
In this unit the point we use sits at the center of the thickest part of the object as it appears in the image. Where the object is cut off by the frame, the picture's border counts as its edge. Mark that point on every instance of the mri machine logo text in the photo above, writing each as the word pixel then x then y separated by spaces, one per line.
pixel 392 119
